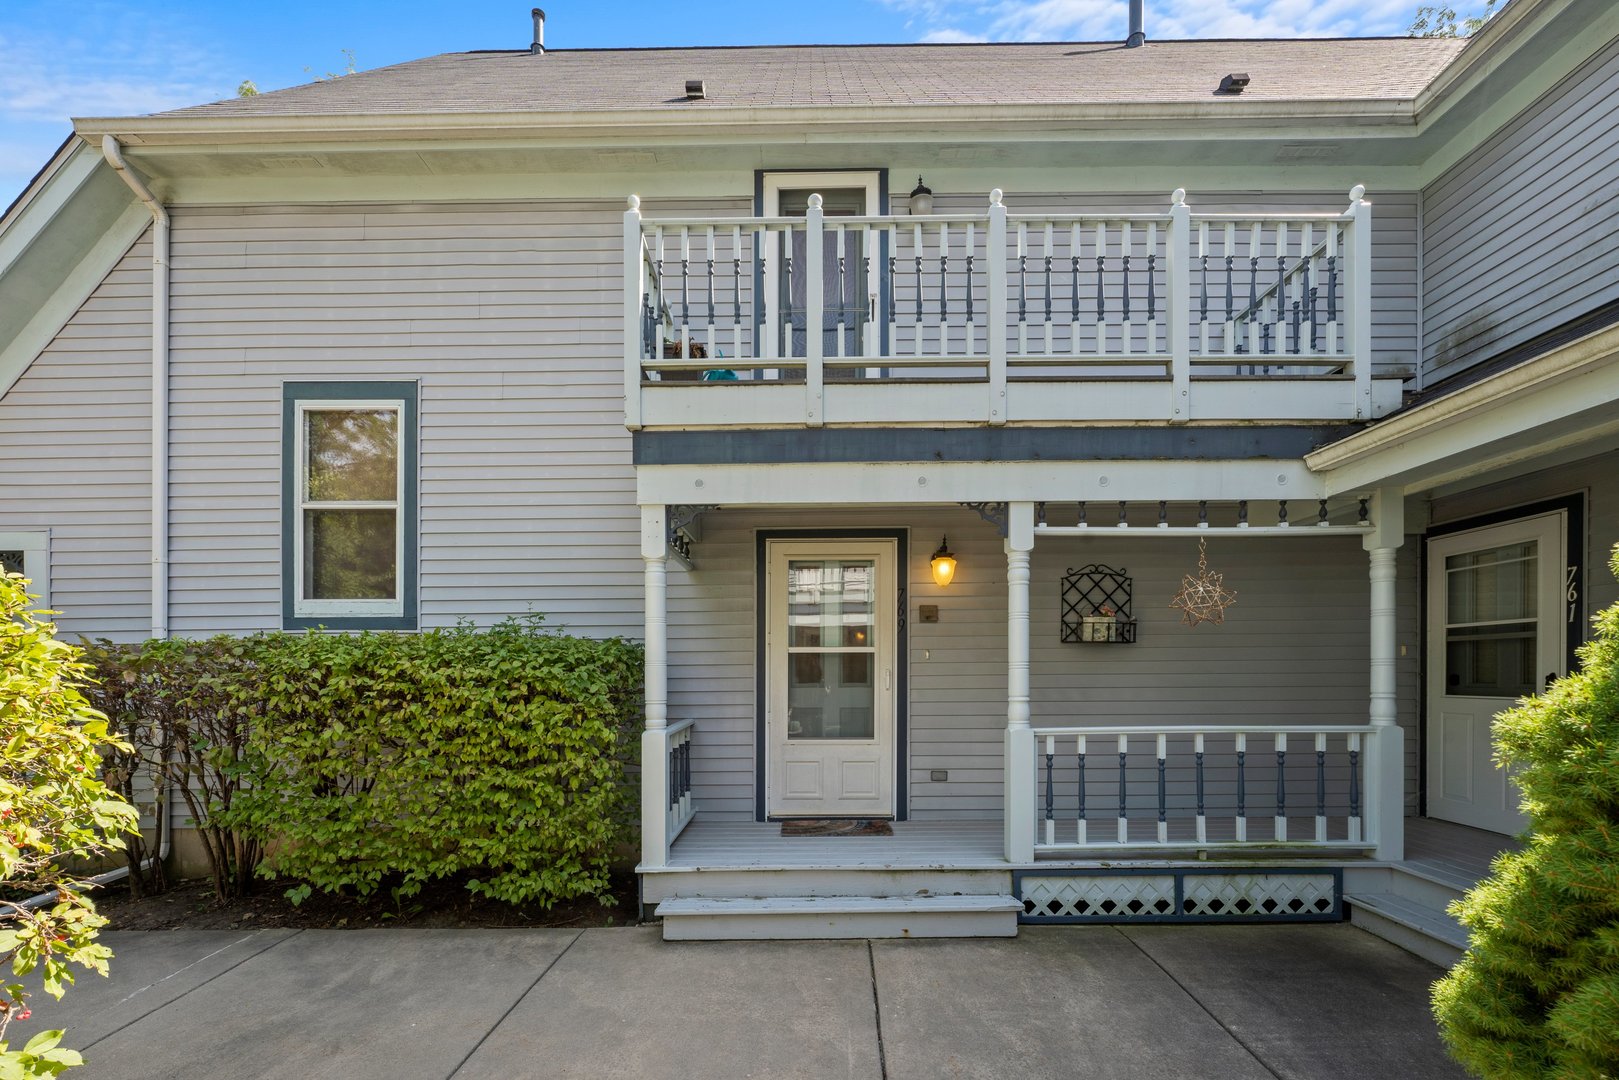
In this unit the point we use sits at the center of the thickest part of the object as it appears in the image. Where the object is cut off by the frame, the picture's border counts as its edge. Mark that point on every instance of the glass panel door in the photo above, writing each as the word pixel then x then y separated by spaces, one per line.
pixel 1491 622
pixel 832 648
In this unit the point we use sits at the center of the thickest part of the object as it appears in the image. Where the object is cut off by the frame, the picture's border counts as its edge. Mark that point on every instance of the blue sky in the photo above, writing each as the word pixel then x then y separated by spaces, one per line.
pixel 99 57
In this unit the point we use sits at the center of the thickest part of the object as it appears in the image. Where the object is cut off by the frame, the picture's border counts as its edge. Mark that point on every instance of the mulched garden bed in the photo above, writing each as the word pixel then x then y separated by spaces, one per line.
pixel 190 905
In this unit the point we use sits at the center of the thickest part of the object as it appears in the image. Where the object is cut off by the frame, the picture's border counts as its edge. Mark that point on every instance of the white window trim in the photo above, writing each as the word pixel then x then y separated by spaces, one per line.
pixel 302 607
pixel 35 545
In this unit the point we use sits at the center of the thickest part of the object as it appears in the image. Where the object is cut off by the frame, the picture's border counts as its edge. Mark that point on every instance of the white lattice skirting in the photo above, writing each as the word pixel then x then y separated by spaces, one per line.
pixel 1260 895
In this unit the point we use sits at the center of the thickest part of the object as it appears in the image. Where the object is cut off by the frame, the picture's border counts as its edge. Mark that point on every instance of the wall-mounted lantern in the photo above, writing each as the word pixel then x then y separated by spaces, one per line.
pixel 944 564
pixel 921 199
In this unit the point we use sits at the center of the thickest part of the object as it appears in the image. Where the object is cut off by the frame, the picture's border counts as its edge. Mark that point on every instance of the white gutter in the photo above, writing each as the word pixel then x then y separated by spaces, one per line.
pixel 113 152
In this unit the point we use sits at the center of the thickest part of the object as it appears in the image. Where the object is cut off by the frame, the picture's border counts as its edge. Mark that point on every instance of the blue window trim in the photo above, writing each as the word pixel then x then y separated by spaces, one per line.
pixel 291 394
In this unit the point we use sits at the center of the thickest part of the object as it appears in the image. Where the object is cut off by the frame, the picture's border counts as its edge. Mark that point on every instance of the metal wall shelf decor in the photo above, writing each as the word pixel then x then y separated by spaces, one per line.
pixel 1096 606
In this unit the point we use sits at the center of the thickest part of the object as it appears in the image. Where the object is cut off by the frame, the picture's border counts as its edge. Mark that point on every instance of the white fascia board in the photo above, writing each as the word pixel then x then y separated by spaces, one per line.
pixel 1453 436
pixel 921 121
pixel 936 483
pixel 44 200
pixel 21 351
pixel 1484 52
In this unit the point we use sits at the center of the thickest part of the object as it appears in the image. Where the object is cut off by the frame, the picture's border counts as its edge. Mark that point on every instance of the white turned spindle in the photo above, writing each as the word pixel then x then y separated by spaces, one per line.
pixel 1101 291
pixel 1073 308
pixel 1256 250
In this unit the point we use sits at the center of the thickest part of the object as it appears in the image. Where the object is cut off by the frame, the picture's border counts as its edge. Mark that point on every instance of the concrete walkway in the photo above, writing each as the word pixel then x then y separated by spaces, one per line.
pixel 1228 1002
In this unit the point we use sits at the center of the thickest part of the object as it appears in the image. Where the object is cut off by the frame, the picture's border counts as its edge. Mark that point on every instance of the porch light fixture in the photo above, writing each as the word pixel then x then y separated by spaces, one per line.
pixel 921 199
pixel 944 564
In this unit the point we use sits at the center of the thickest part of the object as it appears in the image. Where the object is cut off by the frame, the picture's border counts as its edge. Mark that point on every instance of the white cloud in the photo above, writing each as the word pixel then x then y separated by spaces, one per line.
pixel 1107 20
pixel 949 35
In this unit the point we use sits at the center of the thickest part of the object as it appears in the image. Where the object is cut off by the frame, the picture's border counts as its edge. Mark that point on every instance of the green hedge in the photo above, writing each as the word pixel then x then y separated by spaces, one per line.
pixel 403 758
pixel 381 760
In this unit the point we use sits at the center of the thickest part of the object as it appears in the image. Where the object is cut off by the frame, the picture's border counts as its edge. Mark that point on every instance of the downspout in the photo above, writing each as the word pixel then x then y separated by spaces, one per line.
pixel 114 153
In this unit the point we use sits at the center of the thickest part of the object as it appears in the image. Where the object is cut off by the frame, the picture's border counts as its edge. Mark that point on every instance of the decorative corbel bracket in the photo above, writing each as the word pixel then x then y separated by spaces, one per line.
pixel 685 530
pixel 993 512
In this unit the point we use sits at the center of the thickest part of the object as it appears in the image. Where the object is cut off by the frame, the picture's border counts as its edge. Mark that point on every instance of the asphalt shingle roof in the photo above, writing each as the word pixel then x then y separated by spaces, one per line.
pixel 1354 69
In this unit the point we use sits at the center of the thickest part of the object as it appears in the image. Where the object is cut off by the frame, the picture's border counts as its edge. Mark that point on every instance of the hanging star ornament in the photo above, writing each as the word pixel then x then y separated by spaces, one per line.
pixel 1203 598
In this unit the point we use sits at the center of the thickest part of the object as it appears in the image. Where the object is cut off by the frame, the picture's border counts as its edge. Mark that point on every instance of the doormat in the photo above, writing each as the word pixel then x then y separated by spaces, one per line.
pixel 837 827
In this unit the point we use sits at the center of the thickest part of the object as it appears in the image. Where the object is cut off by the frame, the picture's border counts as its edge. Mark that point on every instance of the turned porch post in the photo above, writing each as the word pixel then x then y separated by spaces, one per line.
pixel 655 739
pixel 1019 774
pixel 1385 750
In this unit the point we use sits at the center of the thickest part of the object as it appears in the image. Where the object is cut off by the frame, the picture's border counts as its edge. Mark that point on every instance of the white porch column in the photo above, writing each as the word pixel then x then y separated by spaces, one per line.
pixel 1020 773
pixel 655 739
pixel 1385 750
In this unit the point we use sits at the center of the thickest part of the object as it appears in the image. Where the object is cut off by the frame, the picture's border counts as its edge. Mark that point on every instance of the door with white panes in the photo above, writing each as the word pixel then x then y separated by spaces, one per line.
pixel 830 632
pixel 1496 633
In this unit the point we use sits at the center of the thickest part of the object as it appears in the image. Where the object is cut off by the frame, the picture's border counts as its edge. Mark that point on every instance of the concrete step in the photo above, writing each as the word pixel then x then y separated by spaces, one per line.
pixel 1414 926
pixel 799 917
pixel 738 883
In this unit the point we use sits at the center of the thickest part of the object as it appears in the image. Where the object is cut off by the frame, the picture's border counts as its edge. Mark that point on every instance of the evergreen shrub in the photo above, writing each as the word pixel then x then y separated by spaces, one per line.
pixel 1537 993
pixel 394 760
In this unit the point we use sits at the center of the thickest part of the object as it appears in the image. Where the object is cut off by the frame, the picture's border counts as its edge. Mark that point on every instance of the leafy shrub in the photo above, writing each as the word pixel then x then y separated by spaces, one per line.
pixel 401 759
pixel 1537 994
pixel 171 701
pixel 53 809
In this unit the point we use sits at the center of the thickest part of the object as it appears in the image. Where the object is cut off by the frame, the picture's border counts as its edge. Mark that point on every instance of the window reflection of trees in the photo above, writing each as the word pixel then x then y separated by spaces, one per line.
pixel 352 456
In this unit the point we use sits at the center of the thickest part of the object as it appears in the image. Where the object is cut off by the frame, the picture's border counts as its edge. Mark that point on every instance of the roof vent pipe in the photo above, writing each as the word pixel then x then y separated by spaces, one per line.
pixel 1138 36
pixel 539 32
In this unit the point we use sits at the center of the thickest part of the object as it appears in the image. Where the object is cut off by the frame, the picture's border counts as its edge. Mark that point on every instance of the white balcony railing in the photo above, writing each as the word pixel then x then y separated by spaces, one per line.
pixel 997 317
pixel 1204 787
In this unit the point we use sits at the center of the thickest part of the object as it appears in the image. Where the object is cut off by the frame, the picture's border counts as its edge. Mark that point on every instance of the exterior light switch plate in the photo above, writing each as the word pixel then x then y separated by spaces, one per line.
pixel 927 613
pixel 939 774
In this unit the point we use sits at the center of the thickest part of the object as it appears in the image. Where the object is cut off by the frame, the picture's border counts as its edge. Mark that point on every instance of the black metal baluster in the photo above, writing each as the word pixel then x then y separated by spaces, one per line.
pixel 1281 784
pixel 1332 288
pixel 1203 511
pixel 674 778
pixel 1048 290
pixel 1163 793
pixel 1152 293
pixel 711 283
pixel 1203 290
pixel 1124 814
pixel 893 274
pixel 944 284
pixel 1296 314
pixel 1101 263
pixel 1321 515
pixel 1242 785
pixel 1254 314
pixel 1321 783
pixel 1082 513
pixel 1074 311
pixel 736 287
pixel 969 287
pixel 1022 289
pixel 1122 505
pixel 1051 804
pixel 1281 300
pixel 685 297
pixel 1163 512
pixel 1082 785
pixel 1198 757
pixel 1315 289
pixel 1242 512
pixel 1281 512
pixel 1230 298
pixel 919 289
pixel 1354 782
pixel 1363 512
pixel 1124 264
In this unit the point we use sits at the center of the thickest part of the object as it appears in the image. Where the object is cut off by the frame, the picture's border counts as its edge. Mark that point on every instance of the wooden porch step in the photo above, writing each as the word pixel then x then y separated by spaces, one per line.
pixel 809 917
pixel 1414 926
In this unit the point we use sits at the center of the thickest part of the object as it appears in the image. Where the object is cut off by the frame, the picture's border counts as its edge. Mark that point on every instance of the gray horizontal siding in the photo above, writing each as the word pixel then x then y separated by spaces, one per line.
pixel 1293 650
pixel 75 436
pixel 1522 235
pixel 510 317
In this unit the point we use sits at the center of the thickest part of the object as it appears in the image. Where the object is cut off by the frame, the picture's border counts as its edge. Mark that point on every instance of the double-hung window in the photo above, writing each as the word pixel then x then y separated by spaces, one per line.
pixel 28 553
pixel 349 505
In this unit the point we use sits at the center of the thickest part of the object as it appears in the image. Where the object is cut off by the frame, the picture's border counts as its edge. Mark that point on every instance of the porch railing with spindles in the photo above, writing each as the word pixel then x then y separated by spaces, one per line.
pixel 681 808
pixel 1011 304
pixel 1294 786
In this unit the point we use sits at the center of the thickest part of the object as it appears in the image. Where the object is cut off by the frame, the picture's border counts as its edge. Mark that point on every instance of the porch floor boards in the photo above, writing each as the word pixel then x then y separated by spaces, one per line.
pixel 1457 855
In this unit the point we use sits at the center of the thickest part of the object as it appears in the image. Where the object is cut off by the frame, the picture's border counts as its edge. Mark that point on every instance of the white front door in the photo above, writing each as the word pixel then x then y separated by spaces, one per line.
pixel 1495 634
pixel 830 612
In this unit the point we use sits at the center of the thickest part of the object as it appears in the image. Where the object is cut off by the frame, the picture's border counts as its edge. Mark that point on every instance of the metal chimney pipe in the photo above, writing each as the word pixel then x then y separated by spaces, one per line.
pixel 1138 36
pixel 539 32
